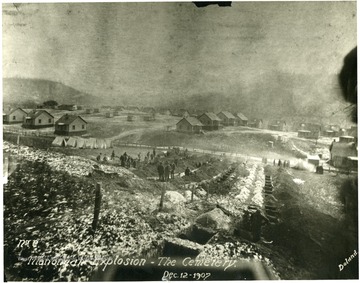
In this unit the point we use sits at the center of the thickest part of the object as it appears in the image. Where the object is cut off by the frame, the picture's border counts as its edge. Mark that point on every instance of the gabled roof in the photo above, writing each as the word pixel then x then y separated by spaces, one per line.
pixel 241 116
pixel 68 119
pixel 278 122
pixel 211 115
pixel 227 114
pixel 192 121
pixel 9 111
pixel 36 113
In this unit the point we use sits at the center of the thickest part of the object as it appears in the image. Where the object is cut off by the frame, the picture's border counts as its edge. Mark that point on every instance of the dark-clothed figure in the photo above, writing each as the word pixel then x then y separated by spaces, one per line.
pixel 167 172
pixel 161 170
pixel 187 171
pixel 172 171
pixel 98 158
pixel 113 155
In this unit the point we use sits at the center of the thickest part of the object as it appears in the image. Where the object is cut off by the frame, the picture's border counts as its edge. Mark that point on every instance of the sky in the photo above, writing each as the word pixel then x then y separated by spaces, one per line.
pixel 155 51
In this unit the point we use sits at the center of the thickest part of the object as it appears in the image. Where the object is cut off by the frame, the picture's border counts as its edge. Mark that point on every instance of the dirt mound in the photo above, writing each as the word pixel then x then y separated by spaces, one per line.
pixel 215 219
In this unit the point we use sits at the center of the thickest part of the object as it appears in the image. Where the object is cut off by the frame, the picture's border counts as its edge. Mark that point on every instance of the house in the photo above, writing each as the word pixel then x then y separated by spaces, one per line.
pixel 70 125
pixel 241 119
pixel 313 128
pixel 227 119
pixel 150 110
pixel 12 116
pixel 277 125
pixel 38 119
pixel 331 131
pixel 89 111
pixel 353 131
pixel 304 134
pixel 109 114
pixel 313 159
pixel 69 107
pixel 116 113
pixel 180 113
pixel 210 121
pixel 164 111
pixel 189 125
pixel 341 151
pixel 255 123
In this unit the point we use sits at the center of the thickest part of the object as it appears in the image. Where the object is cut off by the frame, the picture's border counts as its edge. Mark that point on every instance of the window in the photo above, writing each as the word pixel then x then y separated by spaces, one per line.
pixel 73 127
pixel 83 127
pixel 39 121
pixel 49 120
pixel 14 117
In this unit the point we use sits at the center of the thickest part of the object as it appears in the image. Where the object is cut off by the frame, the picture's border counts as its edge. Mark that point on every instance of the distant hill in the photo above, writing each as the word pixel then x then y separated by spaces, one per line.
pixel 25 91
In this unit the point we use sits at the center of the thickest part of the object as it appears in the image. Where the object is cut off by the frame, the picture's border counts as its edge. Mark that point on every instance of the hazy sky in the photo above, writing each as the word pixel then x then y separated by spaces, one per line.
pixel 158 49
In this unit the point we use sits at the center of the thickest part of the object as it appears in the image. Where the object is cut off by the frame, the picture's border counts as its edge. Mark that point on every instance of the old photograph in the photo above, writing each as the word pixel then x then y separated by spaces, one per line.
pixel 180 141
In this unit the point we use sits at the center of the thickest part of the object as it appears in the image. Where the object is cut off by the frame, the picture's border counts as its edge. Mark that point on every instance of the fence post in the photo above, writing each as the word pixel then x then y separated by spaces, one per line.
pixel 97 206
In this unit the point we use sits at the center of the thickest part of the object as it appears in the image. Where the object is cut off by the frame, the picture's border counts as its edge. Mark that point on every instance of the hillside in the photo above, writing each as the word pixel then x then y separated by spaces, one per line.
pixel 37 91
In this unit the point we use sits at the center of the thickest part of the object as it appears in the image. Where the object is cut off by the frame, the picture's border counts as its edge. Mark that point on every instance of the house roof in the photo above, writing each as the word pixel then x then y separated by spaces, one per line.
pixel 68 119
pixel 344 149
pixel 36 113
pixel 227 114
pixel 212 116
pixel 241 116
pixel 9 111
pixel 192 121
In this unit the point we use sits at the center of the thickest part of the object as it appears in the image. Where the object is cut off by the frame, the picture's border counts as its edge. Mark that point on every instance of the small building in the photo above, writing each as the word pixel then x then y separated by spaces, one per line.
pixel 180 113
pixel 109 115
pixel 313 128
pixel 96 110
pixel 150 117
pixel 165 111
pixel 341 151
pixel 346 139
pixel 210 121
pixel 313 159
pixel 189 125
pixel 38 119
pixel 133 108
pixel 69 125
pixel 150 110
pixel 277 125
pixel 241 119
pixel 89 111
pixel 69 107
pixel 130 118
pixel 255 123
pixel 353 131
pixel 13 116
pixel 116 113
pixel 330 131
pixel 227 119
pixel 304 134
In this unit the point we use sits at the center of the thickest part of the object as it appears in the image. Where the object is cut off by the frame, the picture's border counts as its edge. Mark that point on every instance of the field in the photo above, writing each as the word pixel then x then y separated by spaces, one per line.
pixel 311 235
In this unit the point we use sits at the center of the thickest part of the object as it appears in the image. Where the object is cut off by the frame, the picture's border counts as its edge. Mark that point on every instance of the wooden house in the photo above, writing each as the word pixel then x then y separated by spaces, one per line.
pixel 13 116
pixel 109 114
pixel 255 123
pixel 38 119
pixel 277 125
pixel 210 121
pixel 227 118
pixel 89 111
pixel 180 113
pixel 341 151
pixel 69 125
pixel 241 119
pixel 189 125
pixel 165 111
pixel 96 110
pixel 313 128
pixel 150 110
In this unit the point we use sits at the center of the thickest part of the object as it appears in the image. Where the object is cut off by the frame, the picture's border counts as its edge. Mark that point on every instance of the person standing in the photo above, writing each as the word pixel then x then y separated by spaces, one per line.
pixel 161 171
pixel 167 172
pixel 172 171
